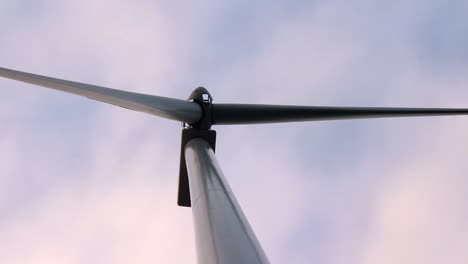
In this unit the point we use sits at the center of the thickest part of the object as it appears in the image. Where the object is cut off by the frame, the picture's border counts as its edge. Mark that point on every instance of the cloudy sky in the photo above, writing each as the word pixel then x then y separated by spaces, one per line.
pixel 86 182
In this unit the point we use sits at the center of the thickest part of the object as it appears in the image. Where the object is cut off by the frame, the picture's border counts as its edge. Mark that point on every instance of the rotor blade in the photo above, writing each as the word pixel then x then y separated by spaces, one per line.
pixel 175 109
pixel 237 114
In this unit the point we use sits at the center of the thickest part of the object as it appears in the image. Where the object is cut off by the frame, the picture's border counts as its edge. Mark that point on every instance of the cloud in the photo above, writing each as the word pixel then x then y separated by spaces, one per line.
pixel 84 182
pixel 420 216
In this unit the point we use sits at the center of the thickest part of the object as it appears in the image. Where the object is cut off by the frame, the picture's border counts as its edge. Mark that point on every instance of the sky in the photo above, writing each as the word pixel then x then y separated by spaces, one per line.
pixel 86 182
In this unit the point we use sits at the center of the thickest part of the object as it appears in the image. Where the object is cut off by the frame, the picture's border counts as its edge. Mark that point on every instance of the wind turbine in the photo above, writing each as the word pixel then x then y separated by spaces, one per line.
pixel 223 234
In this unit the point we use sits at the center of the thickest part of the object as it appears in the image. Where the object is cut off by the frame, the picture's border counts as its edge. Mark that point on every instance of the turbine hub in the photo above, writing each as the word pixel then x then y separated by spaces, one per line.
pixel 202 97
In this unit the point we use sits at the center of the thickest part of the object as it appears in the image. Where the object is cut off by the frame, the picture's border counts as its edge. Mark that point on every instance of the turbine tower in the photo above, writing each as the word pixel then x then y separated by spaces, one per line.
pixel 223 234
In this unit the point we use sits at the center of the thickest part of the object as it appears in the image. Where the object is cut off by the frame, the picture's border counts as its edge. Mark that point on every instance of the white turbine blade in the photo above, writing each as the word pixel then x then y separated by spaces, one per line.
pixel 170 108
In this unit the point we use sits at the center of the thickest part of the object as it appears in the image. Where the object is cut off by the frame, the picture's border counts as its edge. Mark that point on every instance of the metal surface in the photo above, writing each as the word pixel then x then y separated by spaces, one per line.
pixel 183 194
pixel 175 109
pixel 234 114
pixel 202 97
pixel 222 232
